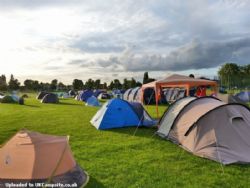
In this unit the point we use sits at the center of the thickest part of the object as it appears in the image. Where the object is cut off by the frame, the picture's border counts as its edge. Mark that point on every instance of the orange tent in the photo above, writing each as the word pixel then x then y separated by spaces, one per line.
pixel 179 81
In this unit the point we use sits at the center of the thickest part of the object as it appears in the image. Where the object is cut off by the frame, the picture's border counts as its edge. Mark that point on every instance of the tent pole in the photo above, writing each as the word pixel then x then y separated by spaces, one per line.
pixel 156 101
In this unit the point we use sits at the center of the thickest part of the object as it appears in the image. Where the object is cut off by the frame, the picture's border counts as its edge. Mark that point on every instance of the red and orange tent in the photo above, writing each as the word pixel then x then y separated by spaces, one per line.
pixel 176 81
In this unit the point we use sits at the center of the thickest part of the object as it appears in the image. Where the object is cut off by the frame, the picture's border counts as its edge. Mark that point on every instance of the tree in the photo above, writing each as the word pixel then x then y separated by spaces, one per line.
pixel 145 78
pixel 117 84
pixel 53 85
pixel 3 83
pixel 89 84
pixel 125 84
pixel 97 84
pixel 191 75
pixel 229 74
pixel 61 86
pixel 132 83
pixel 14 84
pixel 77 84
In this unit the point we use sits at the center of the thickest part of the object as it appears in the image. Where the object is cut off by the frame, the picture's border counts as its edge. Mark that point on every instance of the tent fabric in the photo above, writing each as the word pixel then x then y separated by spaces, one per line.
pixel 228 98
pixel 97 92
pixel 83 96
pixel 7 99
pixel 41 95
pixel 209 128
pixel 50 98
pixel 31 156
pixel 65 95
pixel 126 94
pixel 92 101
pixel 133 93
pixel 244 96
pixel 117 113
pixel 104 96
pixel 72 93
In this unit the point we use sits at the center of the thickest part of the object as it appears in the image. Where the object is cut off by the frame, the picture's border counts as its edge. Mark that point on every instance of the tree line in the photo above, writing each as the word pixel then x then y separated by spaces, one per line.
pixel 77 84
pixel 233 76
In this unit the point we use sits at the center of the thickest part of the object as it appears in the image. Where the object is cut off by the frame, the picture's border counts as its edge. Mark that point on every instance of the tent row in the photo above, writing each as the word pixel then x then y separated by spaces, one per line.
pixel 38 158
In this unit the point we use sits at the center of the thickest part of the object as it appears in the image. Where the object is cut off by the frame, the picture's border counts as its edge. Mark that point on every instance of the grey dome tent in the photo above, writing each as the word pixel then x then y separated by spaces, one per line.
pixel 31 157
pixel 50 98
pixel 41 95
pixel 209 128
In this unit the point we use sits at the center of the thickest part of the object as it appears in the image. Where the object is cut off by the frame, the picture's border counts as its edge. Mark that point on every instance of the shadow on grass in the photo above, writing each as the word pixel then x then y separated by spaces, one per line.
pixel 94 183
pixel 147 132
pixel 70 104
pixel 33 106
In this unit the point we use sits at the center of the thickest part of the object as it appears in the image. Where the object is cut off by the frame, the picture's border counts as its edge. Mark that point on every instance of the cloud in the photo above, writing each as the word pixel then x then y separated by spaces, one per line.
pixel 195 55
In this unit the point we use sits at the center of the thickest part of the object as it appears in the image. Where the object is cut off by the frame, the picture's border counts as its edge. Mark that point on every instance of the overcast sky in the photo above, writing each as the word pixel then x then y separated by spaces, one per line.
pixel 67 39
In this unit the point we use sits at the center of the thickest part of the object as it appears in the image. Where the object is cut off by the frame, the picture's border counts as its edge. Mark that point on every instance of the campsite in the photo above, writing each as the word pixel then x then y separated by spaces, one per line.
pixel 124 94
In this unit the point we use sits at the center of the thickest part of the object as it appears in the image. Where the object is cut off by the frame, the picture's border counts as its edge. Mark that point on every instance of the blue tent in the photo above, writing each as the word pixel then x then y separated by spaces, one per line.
pixel 92 101
pixel 83 96
pixel 244 96
pixel 97 92
pixel 117 113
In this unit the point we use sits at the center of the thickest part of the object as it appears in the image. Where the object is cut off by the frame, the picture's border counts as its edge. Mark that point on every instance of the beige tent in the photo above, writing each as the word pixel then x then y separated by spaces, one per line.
pixel 209 128
pixel 34 157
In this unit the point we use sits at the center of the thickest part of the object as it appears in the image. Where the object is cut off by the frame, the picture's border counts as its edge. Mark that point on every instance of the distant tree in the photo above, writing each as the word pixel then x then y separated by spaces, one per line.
pixel 229 74
pixel 105 85
pixel 97 84
pixel 111 85
pixel 125 84
pixel 3 83
pixel 145 78
pixel 117 84
pixel 132 83
pixel 89 84
pixel 53 85
pixel 14 84
pixel 61 86
pixel 191 75
pixel 138 84
pixel 77 84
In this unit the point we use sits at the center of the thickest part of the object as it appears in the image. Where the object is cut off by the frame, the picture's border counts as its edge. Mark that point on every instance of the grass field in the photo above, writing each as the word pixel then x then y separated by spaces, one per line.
pixel 118 158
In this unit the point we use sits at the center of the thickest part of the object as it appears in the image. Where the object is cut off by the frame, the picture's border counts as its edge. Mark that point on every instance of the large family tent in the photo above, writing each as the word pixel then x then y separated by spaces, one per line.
pixel 84 95
pixel 244 96
pixel 210 128
pixel 92 101
pixel 41 95
pixel 34 157
pixel 117 113
pixel 126 94
pixel 50 98
pixel 133 94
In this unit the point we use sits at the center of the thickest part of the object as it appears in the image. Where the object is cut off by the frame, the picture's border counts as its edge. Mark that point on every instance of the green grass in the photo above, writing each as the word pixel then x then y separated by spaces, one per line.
pixel 118 158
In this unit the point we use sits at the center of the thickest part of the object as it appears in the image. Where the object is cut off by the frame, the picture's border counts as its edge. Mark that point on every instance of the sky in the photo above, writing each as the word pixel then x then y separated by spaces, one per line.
pixel 111 39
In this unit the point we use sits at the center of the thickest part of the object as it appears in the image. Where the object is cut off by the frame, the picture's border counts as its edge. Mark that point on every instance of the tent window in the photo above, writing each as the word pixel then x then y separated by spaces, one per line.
pixel 237 119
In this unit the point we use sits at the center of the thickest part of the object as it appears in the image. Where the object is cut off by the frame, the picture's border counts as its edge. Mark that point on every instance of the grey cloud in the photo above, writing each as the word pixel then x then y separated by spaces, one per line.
pixel 195 55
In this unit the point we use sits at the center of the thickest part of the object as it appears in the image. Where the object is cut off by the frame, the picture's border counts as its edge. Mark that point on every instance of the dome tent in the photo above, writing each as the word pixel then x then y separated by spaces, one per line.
pixel 244 96
pixel 41 95
pixel 117 113
pixel 7 99
pixel 209 128
pixel 72 93
pixel 92 101
pixel 39 158
pixel 104 96
pixel 84 95
pixel 50 98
